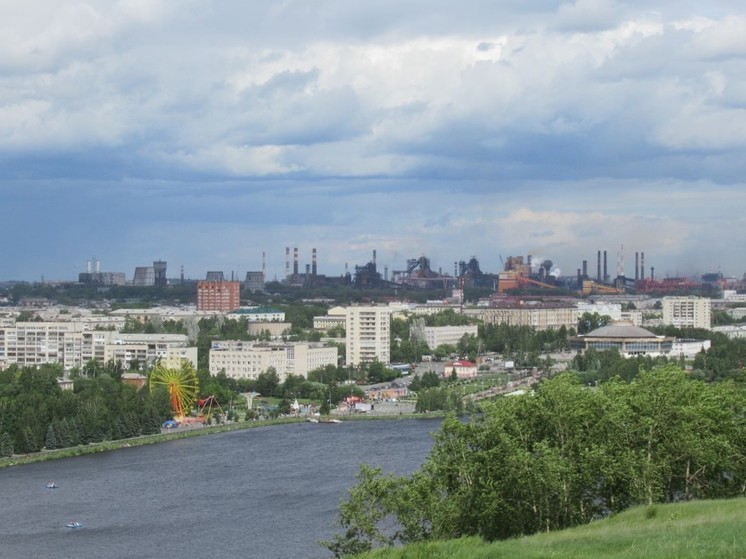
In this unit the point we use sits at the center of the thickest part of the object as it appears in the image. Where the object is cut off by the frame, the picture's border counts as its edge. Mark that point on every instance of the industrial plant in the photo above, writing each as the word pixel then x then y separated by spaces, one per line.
pixel 517 274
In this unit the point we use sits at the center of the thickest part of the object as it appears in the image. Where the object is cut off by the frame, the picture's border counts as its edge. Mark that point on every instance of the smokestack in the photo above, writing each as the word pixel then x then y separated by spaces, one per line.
pixel 182 273
pixel 455 269
pixel 598 267
pixel 637 266
pixel 88 266
pixel 386 273
pixel 374 256
pixel 652 273
pixel 642 265
pixel 580 278
pixel 585 268
pixel 313 267
pixel 606 270
pixel 295 261
pixel 287 262
pixel 98 266
pixel 528 261
pixel 308 269
pixel 264 264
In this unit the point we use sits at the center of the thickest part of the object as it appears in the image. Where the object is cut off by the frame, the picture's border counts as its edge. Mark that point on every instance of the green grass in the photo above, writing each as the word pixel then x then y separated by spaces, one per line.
pixel 692 530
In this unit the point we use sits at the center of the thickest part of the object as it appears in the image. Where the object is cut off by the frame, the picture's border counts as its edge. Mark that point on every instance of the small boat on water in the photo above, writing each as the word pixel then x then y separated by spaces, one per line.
pixel 52 485
pixel 330 421
pixel 74 524
pixel 312 420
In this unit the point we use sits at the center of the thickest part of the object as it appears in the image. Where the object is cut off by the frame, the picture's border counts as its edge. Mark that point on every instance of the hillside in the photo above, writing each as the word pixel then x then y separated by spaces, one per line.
pixel 692 530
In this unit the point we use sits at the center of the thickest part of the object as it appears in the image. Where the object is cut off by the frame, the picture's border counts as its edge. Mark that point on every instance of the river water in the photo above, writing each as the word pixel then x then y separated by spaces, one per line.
pixel 264 492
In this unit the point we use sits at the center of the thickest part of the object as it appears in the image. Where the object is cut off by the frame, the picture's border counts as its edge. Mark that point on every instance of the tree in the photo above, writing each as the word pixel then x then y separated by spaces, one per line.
pixel 559 458
pixel 267 382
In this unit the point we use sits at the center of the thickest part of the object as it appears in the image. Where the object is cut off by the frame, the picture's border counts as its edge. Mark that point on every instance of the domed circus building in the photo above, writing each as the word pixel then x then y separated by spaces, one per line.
pixel 623 336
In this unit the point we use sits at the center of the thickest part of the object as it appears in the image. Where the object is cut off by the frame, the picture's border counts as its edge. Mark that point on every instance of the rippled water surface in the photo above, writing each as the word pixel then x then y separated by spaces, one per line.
pixel 263 492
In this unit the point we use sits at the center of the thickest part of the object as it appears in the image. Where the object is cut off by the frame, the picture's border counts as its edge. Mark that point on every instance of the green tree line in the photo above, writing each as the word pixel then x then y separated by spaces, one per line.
pixel 561 456
pixel 36 414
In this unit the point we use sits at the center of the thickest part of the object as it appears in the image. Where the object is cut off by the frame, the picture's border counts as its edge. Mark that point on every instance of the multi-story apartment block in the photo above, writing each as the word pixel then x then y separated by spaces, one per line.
pixel 542 316
pixel 222 296
pixel 29 344
pixel 242 359
pixel 368 334
pixel 687 312
pixel 447 335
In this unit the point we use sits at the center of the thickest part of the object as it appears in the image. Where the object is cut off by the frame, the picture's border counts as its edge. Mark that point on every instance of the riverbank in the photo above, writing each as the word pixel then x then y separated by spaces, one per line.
pixel 179 433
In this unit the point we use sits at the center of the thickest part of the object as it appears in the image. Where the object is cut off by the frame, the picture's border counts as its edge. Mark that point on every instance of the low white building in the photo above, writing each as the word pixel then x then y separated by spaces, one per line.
pixel 688 349
pixel 247 360
pixel 258 314
pixel 334 318
pixel 448 335
pixel 612 310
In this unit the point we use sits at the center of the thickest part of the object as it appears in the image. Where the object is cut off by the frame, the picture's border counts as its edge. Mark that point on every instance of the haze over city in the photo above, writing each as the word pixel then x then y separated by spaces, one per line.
pixel 207 133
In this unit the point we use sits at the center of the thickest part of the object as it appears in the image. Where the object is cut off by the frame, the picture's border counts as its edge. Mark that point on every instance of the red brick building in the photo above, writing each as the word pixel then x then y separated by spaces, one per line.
pixel 222 296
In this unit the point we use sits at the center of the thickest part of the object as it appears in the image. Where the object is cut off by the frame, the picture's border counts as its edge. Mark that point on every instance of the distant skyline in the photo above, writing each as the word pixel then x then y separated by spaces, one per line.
pixel 206 133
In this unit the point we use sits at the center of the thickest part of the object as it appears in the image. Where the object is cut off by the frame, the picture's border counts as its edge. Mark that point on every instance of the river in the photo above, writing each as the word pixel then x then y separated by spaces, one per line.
pixel 265 492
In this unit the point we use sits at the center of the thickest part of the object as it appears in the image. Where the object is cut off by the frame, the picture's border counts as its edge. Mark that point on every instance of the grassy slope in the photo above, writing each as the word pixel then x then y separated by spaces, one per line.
pixel 692 530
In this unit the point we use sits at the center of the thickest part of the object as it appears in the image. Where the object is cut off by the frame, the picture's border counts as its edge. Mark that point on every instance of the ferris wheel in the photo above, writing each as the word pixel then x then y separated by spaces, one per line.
pixel 182 386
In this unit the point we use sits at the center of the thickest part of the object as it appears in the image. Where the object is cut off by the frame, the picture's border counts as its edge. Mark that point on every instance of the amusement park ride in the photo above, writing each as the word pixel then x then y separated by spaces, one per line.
pixel 182 386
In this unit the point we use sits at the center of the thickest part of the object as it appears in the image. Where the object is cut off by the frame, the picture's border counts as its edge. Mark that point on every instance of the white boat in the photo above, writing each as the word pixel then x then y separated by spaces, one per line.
pixel 74 524
pixel 52 485
pixel 312 420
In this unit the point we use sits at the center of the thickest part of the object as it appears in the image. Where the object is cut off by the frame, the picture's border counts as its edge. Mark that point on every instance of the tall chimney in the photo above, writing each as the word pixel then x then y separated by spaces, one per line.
pixel 374 256
pixel 606 270
pixel 652 273
pixel 642 265
pixel 528 261
pixel 287 262
pixel 295 261
pixel 637 266
pixel 598 267
pixel 313 266
pixel 585 268
pixel 264 264
pixel 88 266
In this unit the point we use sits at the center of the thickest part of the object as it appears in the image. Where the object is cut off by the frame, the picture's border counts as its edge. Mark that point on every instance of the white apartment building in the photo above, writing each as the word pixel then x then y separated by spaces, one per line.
pixel 147 349
pixel 29 344
pixel 448 335
pixel 368 334
pixel 687 312
pixel 247 360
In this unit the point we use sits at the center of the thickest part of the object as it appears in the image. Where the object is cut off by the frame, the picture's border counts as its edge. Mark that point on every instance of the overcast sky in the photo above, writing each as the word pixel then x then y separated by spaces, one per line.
pixel 206 133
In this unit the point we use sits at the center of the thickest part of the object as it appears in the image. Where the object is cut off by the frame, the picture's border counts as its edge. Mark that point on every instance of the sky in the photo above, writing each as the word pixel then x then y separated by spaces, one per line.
pixel 214 134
